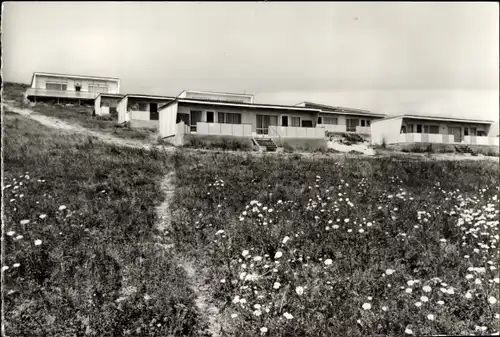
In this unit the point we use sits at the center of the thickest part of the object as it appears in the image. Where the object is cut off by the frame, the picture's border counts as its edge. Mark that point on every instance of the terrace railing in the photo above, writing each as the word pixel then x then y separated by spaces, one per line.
pixel 274 134
pixel 239 130
pixel 447 139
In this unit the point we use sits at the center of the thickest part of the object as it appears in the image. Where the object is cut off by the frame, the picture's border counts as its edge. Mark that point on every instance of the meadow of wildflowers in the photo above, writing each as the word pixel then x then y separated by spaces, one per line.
pixel 343 247
pixel 290 246
pixel 78 240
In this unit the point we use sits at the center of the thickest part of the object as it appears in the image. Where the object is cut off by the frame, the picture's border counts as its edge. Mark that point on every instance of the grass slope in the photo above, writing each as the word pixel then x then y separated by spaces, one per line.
pixel 343 247
pixel 78 230
pixel 81 115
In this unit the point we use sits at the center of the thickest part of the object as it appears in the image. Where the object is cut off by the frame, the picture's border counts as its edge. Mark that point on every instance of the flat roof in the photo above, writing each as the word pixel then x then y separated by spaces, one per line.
pixel 342 110
pixel 438 118
pixel 216 92
pixel 149 96
pixel 105 94
pixel 75 76
pixel 244 105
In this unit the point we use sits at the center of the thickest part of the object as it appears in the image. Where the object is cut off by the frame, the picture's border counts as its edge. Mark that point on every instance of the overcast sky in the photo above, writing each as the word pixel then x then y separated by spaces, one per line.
pixel 429 58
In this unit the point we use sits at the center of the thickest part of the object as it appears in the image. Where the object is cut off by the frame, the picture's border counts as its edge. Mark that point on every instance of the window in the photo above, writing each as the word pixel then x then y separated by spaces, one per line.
pixel 229 118
pixel 98 88
pixel 466 131
pixel 320 120
pixel 473 131
pixel 210 116
pixel 153 111
pixel 195 118
pixel 142 106
pixel 434 129
pixel 284 120
pixel 403 129
pixel 419 128
pixel 426 128
pixel 233 118
pixel 307 124
pixel 55 86
pixel 363 122
pixel 183 117
pixel 296 121
pixel 351 125
pixel 113 111
pixel 331 120
pixel 410 128
pixel 368 122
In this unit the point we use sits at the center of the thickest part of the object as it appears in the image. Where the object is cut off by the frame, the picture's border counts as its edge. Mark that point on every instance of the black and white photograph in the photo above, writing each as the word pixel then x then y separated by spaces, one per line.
pixel 265 168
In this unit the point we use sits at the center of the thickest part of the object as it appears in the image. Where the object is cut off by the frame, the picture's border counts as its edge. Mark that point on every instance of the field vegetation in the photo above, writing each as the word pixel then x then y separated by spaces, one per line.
pixel 345 246
pixel 80 252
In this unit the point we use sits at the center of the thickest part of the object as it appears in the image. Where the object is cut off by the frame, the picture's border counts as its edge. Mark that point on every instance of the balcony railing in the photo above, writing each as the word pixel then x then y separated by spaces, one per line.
pixel 446 139
pixel 333 127
pixel 299 132
pixel 61 93
pixel 240 130
pixel 363 130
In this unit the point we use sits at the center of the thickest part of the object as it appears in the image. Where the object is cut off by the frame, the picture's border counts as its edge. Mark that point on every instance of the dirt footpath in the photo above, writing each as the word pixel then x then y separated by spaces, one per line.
pixel 70 127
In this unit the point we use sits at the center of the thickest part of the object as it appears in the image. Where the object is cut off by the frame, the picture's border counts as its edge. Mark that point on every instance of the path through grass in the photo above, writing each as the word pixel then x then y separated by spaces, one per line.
pixel 80 246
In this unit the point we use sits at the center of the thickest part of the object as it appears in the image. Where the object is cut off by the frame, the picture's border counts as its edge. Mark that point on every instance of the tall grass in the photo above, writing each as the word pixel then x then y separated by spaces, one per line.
pixel 79 240
pixel 343 247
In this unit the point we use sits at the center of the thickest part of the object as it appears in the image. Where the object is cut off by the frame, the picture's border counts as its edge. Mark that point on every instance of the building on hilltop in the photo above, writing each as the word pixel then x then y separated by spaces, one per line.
pixel 61 88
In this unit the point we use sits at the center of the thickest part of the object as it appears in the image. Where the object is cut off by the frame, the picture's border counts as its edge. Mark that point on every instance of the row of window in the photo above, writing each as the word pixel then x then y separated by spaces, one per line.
pixel 263 121
pixel 419 128
pixel 64 87
pixel 349 121
pixel 222 117
pixel 434 129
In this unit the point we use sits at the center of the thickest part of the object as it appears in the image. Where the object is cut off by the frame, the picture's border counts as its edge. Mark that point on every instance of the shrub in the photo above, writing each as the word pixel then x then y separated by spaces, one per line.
pixel 352 138
pixel 288 148
pixel 224 144
pixel 105 118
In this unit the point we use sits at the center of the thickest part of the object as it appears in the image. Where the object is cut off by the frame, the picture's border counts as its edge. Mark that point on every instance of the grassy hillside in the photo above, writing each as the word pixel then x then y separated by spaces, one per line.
pixel 78 226
pixel 77 114
pixel 344 247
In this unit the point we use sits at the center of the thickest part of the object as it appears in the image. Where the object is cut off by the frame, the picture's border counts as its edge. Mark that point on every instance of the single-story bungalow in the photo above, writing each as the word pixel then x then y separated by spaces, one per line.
pixel 408 129
pixel 341 119
pixel 107 104
pixel 237 116
pixel 141 110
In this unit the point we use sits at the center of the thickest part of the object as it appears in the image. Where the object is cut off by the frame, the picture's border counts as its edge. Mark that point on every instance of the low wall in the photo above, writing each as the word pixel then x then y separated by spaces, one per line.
pixel 426 138
pixel 478 140
pixel 139 115
pixel 365 130
pixel 137 123
pixel 103 110
pixel 237 130
pixel 297 132
pixel 333 127
pixel 446 139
